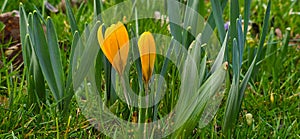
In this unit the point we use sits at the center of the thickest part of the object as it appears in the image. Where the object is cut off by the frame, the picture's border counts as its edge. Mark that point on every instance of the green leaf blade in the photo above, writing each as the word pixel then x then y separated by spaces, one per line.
pixel 71 17
pixel 216 7
pixel 42 52
pixel 55 57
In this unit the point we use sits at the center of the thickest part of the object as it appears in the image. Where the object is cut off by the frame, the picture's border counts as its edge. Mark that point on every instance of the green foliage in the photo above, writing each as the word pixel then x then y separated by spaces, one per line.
pixel 2 26
pixel 42 58
pixel 236 92
pixel 35 79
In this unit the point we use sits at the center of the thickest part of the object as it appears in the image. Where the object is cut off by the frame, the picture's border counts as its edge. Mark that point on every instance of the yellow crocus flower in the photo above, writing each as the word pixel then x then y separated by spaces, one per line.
pixel 115 45
pixel 147 51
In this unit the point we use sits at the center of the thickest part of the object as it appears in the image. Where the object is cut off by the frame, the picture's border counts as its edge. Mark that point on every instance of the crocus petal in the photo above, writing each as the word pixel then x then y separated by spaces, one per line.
pixel 123 43
pixel 115 45
pixel 147 51
pixel 101 38
pixel 100 35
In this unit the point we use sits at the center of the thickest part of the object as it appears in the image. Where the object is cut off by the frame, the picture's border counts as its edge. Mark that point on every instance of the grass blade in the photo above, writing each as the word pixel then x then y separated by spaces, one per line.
pixel 82 8
pixel 3 6
pixel 284 48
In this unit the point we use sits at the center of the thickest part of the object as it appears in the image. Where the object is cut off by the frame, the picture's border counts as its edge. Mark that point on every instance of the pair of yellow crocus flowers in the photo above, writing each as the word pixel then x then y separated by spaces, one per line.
pixel 115 46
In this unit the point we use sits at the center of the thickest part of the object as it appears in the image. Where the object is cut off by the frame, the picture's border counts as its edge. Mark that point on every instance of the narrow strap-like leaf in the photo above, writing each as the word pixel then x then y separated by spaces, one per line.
pixel 247 4
pixel 42 52
pixel 174 15
pixel 97 9
pixel 211 24
pixel 263 35
pixel 234 14
pixel 216 7
pixel 55 57
pixel 71 17
pixel 23 32
pixel 241 41
pixel 220 58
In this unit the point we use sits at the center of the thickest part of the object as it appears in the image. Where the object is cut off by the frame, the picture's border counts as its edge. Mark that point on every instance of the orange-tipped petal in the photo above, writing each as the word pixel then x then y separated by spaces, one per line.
pixel 115 45
pixel 147 51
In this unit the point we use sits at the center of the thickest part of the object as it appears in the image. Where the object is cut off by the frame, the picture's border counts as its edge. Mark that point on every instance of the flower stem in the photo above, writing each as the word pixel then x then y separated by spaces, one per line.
pixel 127 99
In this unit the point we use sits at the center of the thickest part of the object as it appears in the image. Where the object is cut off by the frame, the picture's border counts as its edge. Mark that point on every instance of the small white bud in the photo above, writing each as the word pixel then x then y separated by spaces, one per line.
pixel 249 118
